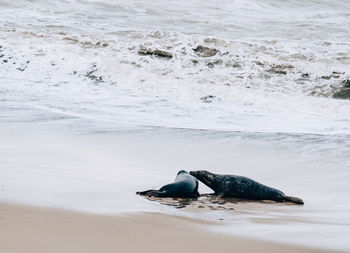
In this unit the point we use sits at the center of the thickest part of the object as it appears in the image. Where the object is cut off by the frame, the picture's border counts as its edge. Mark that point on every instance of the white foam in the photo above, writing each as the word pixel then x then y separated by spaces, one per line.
pixel 86 77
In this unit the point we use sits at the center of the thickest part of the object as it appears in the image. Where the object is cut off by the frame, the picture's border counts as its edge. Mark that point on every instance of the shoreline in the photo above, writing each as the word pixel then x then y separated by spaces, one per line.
pixel 37 229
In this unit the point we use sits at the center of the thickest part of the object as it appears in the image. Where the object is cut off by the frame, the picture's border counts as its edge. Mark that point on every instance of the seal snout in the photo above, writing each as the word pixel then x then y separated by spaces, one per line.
pixel 199 174
pixel 195 173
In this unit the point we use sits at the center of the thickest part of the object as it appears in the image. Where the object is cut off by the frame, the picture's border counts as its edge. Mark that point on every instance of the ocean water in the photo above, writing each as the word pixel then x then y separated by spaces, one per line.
pixel 273 67
pixel 94 92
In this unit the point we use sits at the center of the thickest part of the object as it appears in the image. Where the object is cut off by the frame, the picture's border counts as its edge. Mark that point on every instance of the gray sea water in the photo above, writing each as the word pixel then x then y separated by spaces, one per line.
pixel 100 99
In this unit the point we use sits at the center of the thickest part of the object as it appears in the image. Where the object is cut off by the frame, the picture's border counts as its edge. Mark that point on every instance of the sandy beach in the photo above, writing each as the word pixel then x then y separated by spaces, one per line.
pixel 32 229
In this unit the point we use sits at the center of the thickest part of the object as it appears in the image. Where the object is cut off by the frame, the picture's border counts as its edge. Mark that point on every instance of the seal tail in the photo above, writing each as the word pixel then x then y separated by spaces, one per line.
pixel 293 200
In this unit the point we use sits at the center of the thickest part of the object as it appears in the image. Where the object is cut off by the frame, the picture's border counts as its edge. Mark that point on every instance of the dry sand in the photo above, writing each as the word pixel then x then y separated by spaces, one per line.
pixel 32 229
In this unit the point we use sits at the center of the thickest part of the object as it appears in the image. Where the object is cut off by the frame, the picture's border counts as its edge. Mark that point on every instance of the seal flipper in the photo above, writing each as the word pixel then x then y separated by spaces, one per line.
pixel 152 193
pixel 293 200
pixel 145 193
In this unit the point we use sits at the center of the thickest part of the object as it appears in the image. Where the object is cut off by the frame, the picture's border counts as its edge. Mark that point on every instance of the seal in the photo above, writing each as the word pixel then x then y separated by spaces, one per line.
pixel 230 186
pixel 185 186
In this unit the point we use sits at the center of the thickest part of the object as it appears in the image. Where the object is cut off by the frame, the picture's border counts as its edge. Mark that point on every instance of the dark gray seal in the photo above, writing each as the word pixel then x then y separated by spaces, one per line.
pixel 230 186
pixel 185 186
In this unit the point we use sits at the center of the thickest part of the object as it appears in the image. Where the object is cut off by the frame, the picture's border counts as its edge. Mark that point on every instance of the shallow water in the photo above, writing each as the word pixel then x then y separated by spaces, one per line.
pixel 100 99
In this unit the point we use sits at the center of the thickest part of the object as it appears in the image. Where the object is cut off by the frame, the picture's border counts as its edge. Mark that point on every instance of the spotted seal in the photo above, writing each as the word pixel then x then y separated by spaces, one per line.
pixel 231 186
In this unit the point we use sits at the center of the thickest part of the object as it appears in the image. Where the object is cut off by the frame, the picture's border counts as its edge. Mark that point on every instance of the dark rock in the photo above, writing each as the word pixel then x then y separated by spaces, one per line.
pixel 305 75
pixel 258 63
pixel 102 44
pixel 217 62
pixel 207 99
pixel 236 65
pixel 279 69
pixel 346 83
pixel 344 92
pixel 195 61
pixel 155 52
pixel 91 75
pixel 210 65
pixel 326 77
pixel 71 40
pixel 333 75
pixel 337 73
pixel 202 51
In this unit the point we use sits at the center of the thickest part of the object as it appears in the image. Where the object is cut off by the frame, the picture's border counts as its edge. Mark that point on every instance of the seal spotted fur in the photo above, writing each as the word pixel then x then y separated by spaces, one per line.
pixel 231 186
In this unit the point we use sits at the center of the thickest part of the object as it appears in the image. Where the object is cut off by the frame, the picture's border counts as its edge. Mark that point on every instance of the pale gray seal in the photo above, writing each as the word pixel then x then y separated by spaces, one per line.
pixel 185 186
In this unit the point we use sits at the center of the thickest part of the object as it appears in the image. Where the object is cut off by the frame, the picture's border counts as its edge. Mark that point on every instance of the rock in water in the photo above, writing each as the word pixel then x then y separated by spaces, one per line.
pixel 344 92
pixel 205 51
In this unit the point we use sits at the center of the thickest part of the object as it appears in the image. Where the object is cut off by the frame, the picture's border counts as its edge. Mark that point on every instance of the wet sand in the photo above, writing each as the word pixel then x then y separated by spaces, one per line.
pixel 33 229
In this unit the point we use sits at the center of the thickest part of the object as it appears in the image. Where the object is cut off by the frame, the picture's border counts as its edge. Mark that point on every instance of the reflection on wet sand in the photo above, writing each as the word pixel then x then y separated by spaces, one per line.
pixel 209 201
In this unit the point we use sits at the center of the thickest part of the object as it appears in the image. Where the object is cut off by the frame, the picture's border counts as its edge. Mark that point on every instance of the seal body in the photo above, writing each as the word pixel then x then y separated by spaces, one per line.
pixel 231 186
pixel 185 186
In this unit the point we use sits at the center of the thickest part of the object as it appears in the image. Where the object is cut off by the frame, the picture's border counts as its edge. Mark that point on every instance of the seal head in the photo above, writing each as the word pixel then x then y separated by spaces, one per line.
pixel 207 178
